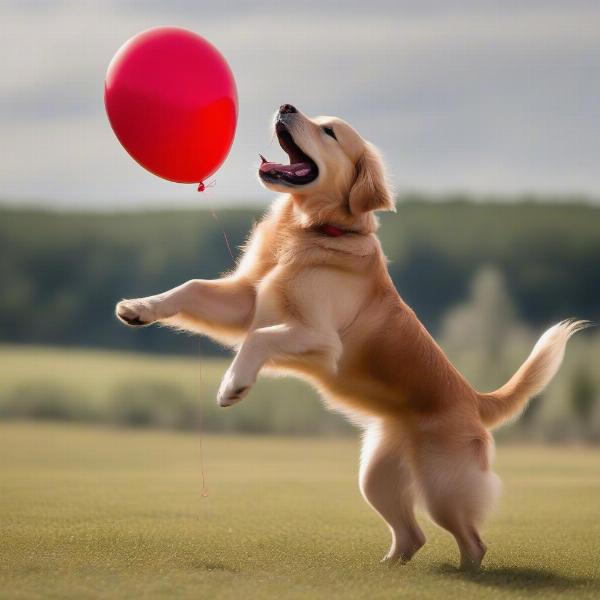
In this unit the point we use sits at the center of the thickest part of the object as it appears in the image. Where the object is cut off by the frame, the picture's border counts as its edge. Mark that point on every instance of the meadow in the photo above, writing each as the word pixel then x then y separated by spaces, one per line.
pixel 140 390
pixel 132 389
pixel 97 512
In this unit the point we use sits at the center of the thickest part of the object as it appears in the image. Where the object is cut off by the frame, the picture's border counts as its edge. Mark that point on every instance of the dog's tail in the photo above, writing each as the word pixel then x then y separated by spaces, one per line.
pixel 532 377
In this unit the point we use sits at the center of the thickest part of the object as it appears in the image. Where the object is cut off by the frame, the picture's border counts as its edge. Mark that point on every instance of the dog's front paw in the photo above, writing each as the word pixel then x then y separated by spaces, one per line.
pixel 231 390
pixel 136 313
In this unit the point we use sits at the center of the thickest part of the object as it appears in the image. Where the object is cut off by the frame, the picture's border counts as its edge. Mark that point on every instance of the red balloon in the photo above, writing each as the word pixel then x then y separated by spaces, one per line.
pixel 171 100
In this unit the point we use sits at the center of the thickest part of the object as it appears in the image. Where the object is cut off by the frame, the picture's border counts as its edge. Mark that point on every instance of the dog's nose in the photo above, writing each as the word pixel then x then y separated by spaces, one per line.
pixel 287 108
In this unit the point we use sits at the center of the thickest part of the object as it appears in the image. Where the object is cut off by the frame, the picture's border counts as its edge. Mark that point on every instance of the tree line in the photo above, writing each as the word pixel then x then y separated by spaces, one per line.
pixel 62 272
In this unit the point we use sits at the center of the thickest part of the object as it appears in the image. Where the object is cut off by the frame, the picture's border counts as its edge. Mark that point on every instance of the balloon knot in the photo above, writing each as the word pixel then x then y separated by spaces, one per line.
pixel 202 186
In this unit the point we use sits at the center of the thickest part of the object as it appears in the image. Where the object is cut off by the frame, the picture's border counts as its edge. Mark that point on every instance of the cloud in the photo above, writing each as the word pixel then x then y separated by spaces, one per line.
pixel 475 98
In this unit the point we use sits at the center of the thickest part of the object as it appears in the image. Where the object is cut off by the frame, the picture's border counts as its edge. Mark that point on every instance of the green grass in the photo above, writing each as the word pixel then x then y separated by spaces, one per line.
pixel 93 374
pixel 96 513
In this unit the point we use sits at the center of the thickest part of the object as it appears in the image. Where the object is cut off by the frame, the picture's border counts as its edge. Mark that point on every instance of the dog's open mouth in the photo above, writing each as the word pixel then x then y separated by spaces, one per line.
pixel 302 168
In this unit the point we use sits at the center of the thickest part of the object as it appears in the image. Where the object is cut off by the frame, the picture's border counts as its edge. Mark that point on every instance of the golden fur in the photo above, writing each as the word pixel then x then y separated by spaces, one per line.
pixel 325 309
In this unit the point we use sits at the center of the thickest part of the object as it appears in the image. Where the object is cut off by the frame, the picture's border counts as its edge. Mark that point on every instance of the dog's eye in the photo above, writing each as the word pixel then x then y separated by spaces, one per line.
pixel 329 131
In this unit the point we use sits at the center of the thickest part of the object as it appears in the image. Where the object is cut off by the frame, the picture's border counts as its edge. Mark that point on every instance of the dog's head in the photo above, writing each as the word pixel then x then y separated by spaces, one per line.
pixel 332 168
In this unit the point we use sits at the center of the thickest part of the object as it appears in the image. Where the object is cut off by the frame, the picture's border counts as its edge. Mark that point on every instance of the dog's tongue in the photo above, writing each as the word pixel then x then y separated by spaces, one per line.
pixel 298 169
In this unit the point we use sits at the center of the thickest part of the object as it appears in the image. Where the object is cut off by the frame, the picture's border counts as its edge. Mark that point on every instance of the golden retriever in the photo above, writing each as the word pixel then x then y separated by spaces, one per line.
pixel 312 296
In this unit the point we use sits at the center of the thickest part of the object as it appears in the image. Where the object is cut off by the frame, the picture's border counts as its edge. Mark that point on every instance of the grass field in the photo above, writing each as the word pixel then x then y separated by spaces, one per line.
pixel 130 388
pixel 175 392
pixel 98 513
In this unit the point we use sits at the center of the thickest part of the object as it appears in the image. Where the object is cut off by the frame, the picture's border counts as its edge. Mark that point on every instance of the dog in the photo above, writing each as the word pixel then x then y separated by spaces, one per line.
pixel 312 296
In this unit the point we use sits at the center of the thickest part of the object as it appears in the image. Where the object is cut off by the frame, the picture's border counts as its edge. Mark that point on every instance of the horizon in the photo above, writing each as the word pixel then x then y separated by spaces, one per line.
pixel 440 198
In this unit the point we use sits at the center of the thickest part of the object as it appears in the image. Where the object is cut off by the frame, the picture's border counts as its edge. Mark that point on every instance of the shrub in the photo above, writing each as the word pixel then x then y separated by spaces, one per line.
pixel 45 401
pixel 152 403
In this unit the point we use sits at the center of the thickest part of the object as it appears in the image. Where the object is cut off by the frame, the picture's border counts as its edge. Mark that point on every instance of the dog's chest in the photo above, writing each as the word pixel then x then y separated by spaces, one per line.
pixel 315 295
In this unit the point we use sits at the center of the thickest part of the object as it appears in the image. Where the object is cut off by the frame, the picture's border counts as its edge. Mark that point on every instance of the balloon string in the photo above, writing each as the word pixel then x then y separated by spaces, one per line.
pixel 216 218
pixel 202 188
pixel 201 381
pixel 204 491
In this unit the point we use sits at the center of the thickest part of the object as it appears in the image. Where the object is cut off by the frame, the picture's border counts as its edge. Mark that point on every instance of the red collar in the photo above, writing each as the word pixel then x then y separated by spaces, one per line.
pixel 332 230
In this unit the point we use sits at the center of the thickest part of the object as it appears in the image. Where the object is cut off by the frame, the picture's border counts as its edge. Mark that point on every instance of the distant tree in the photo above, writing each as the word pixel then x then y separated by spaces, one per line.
pixel 482 335
pixel 583 394
pixel 593 429
pixel 63 272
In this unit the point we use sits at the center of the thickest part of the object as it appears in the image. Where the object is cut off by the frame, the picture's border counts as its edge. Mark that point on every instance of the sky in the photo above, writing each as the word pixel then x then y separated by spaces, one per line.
pixel 491 98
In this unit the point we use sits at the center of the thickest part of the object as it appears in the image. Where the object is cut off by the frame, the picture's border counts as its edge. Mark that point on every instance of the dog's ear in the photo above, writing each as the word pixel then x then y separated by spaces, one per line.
pixel 370 190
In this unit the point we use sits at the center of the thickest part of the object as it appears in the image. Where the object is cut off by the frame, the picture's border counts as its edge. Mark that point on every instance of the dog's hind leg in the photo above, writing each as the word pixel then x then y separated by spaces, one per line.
pixel 387 484
pixel 458 488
